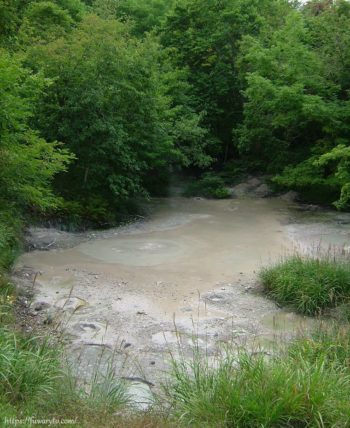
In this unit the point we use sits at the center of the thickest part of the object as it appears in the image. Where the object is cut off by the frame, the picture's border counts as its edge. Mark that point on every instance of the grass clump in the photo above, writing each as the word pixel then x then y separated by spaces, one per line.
pixel 34 381
pixel 29 371
pixel 302 387
pixel 329 344
pixel 308 285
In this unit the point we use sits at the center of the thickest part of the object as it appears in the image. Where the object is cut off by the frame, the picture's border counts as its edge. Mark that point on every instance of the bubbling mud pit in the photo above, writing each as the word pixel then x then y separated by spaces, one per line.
pixel 137 291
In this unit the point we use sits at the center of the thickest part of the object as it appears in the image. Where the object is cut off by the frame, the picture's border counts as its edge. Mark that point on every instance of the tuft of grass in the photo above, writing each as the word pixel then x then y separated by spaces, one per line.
pixel 29 370
pixel 99 397
pixel 294 389
pixel 329 344
pixel 308 285
pixel 33 381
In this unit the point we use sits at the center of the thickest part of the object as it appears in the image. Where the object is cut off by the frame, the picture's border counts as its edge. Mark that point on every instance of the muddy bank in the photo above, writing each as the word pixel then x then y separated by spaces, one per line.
pixel 186 275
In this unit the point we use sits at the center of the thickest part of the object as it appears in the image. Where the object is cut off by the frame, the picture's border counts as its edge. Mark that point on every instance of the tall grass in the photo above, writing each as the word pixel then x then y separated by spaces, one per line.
pixel 307 284
pixel 295 389
pixel 27 370
pixel 33 381
pixel 92 401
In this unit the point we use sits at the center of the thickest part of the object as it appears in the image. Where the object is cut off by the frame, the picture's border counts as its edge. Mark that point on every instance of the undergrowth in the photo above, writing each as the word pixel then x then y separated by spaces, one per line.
pixel 305 386
pixel 208 186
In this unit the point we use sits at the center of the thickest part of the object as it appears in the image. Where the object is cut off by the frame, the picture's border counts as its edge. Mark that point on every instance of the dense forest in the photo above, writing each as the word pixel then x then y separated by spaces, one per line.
pixel 102 101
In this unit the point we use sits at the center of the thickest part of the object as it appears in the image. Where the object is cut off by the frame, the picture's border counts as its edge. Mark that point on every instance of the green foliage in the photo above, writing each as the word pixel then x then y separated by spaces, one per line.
pixel 311 180
pixel 340 155
pixel 329 344
pixel 27 162
pixel 145 15
pixel 309 285
pixel 296 102
pixel 116 108
pixel 209 186
pixel 110 115
pixel 183 124
pixel 282 107
pixel 205 37
pixel 28 371
pixel 242 390
pixel 44 21
pixel 149 86
pixel 9 20
pixel 10 232
pixel 34 381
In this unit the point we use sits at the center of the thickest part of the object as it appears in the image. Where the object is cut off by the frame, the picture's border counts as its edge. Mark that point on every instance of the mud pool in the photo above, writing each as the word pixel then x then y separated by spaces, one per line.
pixel 138 291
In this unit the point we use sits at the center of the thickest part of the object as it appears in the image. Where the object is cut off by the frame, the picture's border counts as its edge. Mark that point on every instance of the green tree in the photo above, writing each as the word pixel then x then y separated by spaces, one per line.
pixel 27 162
pixel 114 108
pixel 144 15
pixel 205 36
pixel 284 99
pixel 296 112
pixel 45 21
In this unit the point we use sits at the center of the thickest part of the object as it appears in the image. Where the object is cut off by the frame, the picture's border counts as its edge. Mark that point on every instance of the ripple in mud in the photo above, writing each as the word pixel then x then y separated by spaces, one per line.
pixel 133 252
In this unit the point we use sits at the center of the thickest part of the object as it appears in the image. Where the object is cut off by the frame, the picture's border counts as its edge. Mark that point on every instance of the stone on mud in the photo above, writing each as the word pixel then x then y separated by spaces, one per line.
pixel 290 196
pixel 40 306
pixel 263 191
pixel 253 187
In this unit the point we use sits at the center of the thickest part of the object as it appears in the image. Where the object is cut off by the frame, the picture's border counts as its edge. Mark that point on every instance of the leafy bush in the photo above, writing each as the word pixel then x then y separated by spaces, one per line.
pixel 309 285
pixel 209 186
pixel 10 227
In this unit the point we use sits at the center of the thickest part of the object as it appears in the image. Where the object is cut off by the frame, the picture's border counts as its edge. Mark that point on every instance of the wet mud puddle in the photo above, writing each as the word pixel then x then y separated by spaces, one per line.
pixel 190 268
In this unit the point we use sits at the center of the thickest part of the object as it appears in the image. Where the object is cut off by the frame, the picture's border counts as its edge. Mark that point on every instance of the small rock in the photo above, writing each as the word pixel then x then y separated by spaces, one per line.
pixel 48 320
pixel 152 363
pixel 254 182
pixel 342 219
pixel 308 207
pixel 240 190
pixel 263 191
pixel 40 306
pixel 290 196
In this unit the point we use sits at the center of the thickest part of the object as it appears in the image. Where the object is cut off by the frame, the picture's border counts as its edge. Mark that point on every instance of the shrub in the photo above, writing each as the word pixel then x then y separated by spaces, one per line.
pixel 209 186
pixel 309 285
